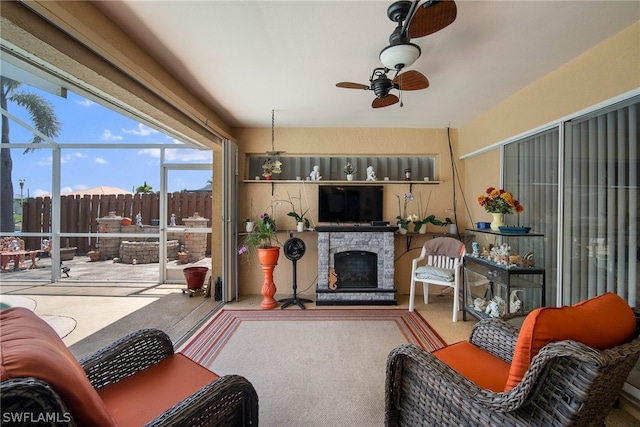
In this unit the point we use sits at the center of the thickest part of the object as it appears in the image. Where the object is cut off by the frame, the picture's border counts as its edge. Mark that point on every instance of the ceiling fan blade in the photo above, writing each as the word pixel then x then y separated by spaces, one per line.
pixel 430 17
pixel 348 85
pixel 411 80
pixel 385 102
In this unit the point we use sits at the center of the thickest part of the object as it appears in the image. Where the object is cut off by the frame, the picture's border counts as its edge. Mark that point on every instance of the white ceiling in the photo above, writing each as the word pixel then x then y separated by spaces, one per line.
pixel 246 58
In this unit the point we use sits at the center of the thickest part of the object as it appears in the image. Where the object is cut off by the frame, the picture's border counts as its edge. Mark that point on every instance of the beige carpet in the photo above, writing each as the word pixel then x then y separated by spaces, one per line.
pixel 311 367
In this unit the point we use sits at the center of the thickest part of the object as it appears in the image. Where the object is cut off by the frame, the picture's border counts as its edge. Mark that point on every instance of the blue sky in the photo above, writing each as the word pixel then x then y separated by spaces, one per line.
pixel 84 121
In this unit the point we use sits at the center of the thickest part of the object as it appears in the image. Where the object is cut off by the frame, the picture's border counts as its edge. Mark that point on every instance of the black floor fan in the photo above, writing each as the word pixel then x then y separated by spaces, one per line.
pixel 294 249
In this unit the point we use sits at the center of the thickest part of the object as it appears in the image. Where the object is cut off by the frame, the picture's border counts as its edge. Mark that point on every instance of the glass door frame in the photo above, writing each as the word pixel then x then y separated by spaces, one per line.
pixel 164 219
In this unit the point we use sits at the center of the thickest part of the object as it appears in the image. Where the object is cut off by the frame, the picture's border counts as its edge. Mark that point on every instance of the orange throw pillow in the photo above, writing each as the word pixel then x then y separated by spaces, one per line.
pixel 29 347
pixel 600 322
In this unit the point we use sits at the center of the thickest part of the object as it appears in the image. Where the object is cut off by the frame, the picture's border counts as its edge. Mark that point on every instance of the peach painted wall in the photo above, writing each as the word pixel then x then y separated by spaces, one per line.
pixel 338 142
pixel 608 70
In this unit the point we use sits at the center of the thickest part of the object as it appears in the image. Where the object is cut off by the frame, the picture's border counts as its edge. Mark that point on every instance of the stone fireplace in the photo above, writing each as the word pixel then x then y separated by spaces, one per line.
pixel 355 265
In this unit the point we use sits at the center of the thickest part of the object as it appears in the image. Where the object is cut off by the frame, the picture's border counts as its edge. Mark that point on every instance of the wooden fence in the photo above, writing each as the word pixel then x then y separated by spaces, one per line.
pixel 79 214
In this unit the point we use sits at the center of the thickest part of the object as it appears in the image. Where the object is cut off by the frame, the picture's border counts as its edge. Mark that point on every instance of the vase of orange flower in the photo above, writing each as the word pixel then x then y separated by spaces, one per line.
pixel 499 202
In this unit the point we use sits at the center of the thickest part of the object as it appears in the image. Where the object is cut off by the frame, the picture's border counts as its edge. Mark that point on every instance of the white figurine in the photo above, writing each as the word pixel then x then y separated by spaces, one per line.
pixel 173 220
pixel 371 175
pixel 14 246
pixel 515 303
pixel 139 219
pixel 315 174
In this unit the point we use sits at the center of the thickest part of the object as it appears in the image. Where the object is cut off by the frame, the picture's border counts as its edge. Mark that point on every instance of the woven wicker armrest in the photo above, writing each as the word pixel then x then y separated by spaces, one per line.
pixel 127 356
pixel 229 401
pixel 495 336
pixel 421 390
pixel 21 397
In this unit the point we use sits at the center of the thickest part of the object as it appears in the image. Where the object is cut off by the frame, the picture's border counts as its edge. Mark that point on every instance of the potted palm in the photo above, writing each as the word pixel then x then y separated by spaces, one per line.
pixel 264 241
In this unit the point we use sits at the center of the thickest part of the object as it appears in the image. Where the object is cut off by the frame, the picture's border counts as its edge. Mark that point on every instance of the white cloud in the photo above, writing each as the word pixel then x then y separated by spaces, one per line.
pixel 69 158
pixel 101 161
pixel 142 130
pixel 40 192
pixel 188 155
pixel 45 162
pixel 66 190
pixel 109 136
pixel 86 103
pixel 152 152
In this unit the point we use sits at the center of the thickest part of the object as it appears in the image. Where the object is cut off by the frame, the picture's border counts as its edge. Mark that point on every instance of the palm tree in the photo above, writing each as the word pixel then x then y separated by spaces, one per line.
pixel 144 188
pixel 44 120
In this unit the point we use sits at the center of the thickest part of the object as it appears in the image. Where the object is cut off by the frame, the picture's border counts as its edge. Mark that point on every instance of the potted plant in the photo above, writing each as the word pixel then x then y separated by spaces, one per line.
pixel 183 256
pixel 350 170
pixel 270 166
pixel 301 221
pixel 403 218
pixel 264 241
pixel 94 255
pixel 453 228
pixel 433 220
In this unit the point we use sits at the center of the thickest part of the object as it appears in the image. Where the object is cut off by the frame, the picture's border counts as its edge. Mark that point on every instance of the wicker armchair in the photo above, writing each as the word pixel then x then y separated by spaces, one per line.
pixel 567 384
pixel 228 401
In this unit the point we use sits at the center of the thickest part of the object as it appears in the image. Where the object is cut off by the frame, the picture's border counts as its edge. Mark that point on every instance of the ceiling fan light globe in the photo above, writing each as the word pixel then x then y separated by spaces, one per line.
pixel 396 57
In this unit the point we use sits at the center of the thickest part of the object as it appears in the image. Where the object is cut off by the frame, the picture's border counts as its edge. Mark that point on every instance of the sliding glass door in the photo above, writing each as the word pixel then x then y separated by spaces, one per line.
pixel 601 213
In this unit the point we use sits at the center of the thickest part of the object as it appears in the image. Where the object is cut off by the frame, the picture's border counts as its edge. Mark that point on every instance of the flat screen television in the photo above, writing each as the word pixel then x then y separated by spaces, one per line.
pixel 349 203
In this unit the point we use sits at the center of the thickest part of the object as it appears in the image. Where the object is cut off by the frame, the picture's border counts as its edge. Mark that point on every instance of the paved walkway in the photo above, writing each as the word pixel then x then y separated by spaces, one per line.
pixel 99 294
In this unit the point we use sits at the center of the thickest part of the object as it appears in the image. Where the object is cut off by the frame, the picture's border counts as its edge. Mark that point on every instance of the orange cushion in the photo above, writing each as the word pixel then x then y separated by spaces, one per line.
pixel 478 366
pixel 29 347
pixel 601 322
pixel 138 399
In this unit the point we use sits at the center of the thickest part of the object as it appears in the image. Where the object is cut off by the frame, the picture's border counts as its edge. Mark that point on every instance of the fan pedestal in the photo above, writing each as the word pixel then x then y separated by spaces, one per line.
pixel 294 249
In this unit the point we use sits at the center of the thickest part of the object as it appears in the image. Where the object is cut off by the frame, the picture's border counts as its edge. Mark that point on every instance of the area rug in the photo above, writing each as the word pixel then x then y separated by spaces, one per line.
pixel 311 367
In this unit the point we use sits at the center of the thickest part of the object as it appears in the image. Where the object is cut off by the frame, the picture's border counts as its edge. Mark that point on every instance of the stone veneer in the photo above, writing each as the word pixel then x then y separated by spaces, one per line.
pixel 378 240
pixel 146 252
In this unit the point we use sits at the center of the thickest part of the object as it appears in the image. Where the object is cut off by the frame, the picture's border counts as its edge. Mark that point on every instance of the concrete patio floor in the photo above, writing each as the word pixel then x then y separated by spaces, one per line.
pixel 99 295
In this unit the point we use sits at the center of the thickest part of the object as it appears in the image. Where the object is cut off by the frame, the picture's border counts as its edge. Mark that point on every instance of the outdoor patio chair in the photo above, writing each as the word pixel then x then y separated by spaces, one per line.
pixel 439 263
pixel 138 380
pixel 565 367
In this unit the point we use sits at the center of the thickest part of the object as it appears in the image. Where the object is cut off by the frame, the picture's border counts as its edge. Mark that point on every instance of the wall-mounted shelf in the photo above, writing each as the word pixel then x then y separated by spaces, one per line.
pixel 332 168
pixel 323 182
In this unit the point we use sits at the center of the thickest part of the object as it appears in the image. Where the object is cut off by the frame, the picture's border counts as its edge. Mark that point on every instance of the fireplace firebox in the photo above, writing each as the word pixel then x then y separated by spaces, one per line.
pixel 356 269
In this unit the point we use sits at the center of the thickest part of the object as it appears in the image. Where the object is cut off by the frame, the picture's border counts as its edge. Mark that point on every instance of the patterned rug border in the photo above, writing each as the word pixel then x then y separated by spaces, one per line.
pixel 205 345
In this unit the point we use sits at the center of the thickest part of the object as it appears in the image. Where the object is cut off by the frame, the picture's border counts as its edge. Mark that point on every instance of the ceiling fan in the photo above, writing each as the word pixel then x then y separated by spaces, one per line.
pixel 381 85
pixel 414 20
